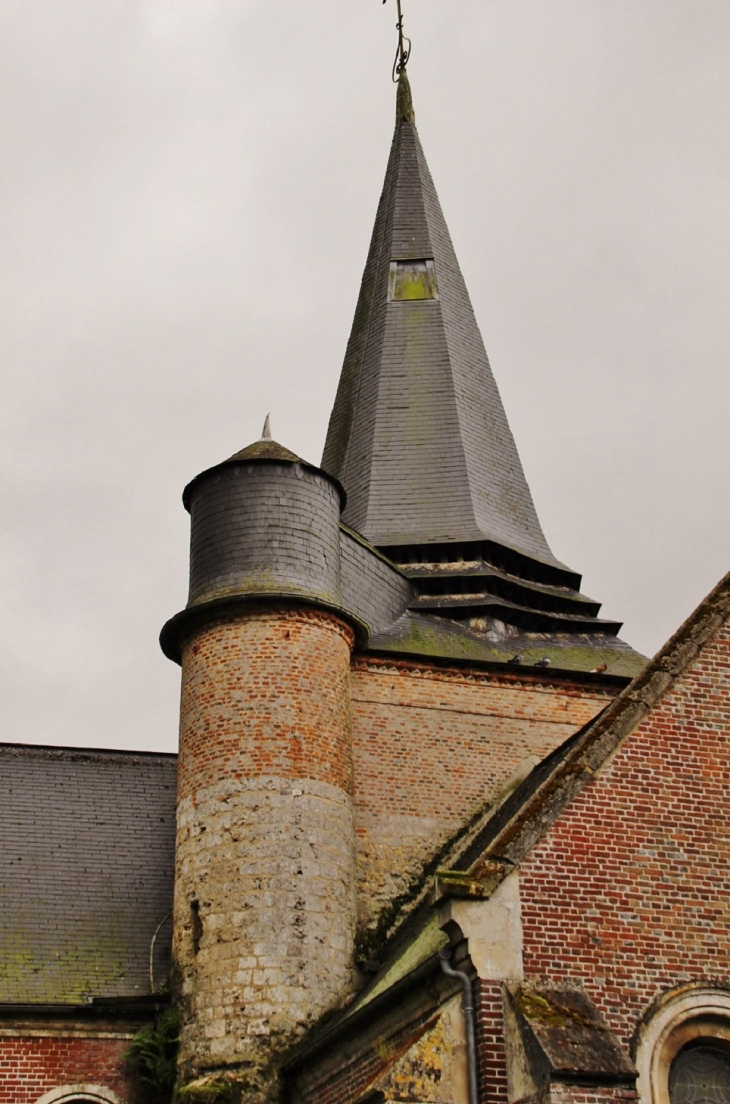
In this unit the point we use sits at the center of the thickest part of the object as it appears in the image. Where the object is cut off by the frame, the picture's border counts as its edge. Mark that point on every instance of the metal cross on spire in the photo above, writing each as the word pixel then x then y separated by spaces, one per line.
pixel 403 51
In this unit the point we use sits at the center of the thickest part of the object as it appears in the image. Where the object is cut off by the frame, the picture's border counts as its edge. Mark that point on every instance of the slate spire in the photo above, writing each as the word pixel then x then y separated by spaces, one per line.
pixel 418 435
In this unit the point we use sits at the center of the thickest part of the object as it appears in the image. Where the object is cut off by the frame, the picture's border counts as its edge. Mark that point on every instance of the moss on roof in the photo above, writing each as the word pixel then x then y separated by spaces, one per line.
pixel 266 449
pixel 87 883
pixel 426 941
pixel 440 637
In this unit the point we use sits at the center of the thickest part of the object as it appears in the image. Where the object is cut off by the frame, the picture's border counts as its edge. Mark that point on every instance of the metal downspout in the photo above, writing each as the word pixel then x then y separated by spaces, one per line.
pixel 468 1009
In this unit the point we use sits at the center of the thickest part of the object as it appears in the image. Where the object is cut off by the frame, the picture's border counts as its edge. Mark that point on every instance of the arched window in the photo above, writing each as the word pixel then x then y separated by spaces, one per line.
pixel 683 1049
pixel 700 1073
pixel 79 1094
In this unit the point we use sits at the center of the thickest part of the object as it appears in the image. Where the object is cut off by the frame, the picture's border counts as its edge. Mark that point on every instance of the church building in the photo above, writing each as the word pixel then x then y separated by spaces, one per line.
pixel 435 834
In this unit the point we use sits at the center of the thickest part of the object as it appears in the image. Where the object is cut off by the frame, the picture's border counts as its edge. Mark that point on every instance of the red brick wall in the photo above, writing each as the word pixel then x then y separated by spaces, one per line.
pixel 266 694
pixel 630 890
pixel 491 1054
pixel 431 745
pixel 31 1066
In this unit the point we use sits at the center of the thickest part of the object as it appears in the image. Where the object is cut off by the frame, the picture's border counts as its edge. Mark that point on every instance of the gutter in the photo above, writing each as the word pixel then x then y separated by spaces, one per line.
pixel 468 1009
pixel 114 1008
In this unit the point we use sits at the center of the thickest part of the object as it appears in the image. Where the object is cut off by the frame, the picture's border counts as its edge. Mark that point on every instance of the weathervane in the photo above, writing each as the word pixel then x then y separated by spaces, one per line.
pixel 403 52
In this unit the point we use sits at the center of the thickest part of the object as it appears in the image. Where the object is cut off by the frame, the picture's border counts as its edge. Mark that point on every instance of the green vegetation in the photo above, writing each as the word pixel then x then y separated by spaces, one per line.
pixel 217 1091
pixel 152 1056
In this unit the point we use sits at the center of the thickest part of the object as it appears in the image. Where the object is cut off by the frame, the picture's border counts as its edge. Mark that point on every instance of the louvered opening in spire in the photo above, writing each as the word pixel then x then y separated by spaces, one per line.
pixel 418 434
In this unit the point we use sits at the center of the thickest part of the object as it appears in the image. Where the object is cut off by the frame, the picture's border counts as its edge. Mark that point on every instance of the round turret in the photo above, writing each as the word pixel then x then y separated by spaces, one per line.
pixel 264 911
pixel 264 526
pixel 264 523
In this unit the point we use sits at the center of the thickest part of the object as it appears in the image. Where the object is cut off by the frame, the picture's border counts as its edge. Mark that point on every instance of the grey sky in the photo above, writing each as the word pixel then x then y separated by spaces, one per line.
pixel 187 196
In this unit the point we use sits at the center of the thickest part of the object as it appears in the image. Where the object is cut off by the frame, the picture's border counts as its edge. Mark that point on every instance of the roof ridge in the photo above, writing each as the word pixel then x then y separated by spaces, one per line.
pixel 426 181
pixel 69 750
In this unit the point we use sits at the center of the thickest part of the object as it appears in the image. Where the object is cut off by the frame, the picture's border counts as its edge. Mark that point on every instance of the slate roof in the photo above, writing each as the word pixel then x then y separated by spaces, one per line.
pixel 267 449
pixel 600 654
pixel 372 587
pixel 263 450
pixel 86 872
pixel 419 438
pixel 418 434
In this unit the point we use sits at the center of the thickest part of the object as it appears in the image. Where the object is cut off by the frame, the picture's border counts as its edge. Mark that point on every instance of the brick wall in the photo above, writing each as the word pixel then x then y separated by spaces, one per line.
pixel 491 1053
pixel 264 890
pixel 492 1059
pixel 266 694
pixel 33 1065
pixel 630 890
pixel 432 745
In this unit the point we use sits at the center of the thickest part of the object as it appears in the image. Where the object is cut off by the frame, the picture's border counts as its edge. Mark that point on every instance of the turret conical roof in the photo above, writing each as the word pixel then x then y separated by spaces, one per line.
pixel 418 435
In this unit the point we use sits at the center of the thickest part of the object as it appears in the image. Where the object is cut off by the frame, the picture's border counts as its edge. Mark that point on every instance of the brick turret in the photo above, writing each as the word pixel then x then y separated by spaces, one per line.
pixel 264 912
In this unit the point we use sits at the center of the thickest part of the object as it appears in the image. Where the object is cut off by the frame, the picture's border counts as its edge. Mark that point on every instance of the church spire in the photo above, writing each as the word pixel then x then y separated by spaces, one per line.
pixel 418 434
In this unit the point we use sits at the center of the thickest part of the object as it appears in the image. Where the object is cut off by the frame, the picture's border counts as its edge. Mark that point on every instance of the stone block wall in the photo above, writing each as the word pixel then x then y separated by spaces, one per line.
pixel 431 745
pixel 264 897
pixel 566 1093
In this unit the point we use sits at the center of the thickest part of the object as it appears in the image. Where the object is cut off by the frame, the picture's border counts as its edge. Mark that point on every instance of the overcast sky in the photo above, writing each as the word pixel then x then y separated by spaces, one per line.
pixel 187 197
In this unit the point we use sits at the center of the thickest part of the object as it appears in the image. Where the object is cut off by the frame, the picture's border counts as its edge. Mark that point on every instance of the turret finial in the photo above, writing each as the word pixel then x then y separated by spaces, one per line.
pixel 266 431
pixel 403 51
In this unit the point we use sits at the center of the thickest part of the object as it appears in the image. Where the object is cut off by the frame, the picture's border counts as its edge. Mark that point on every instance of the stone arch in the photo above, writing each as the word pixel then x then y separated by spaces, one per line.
pixel 681 1017
pixel 80 1094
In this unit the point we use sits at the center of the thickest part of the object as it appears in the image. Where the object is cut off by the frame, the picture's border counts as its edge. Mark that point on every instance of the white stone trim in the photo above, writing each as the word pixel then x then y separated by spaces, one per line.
pixel 493 929
pixel 95 1094
pixel 61 1032
pixel 686 1014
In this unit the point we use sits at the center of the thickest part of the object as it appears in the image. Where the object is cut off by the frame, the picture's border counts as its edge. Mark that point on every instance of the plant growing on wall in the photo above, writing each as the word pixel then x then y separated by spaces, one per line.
pixel 152 1057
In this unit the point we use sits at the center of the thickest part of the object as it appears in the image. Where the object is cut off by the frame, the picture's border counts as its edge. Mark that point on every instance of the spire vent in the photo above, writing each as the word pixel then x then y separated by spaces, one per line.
pixel 411 280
